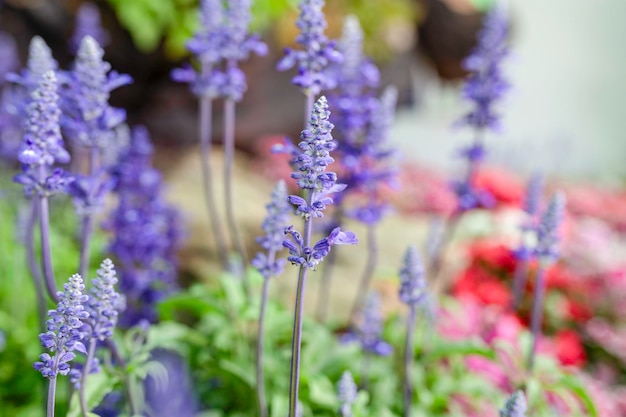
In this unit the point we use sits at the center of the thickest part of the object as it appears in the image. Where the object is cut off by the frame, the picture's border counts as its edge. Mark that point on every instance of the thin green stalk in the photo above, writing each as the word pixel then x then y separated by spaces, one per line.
pixel 83 380
pixel 206 118
pixel 368 272
pixel 44 230
pixel 33 265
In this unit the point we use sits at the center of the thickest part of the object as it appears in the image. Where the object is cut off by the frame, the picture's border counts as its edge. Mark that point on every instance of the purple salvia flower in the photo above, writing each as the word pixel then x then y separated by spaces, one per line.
pixel 207 41
pixel 548 232
pixel 534 191
pixel 105 302
pixel 278 214
pixel 64 330
pixel 90 121
pixel 515 406
pixel 317 51
pixel 369 329
pixel 346 393
pixel 413 286
pixel 486 83
pixel 88 23
pixel 42 146
pixel 146 231
pixel 40 61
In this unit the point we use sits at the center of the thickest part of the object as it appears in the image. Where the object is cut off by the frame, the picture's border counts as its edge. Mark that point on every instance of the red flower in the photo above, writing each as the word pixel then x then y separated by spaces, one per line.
pixel 486 289
pixel 578 312
pixel 569 348
pixel 503 186
pixel 492 254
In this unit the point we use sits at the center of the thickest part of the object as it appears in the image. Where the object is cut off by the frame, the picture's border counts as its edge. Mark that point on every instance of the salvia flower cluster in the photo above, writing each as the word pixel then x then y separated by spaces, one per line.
pixel 413 286
pixel 221 41
pixel 279 213
pixel 146 230
pixel 88 23
pixel 485 86
pixel 64 332
pixel 532 206
pixel 369 328
pixel 548 237
pixel 43 145
pixel 311 175
pixel 346 393
pixel 515 406
pixel 317 50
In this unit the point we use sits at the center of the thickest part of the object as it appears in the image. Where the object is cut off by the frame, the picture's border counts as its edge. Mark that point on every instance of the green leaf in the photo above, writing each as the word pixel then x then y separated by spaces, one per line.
pixel 322 392
pixel 97 386
pixel 235 369
pixel 443 349
pixel 574 384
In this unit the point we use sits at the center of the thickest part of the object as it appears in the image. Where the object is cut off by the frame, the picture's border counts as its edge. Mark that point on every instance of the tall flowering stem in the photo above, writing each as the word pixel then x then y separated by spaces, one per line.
pixel 412 293
pixel 352 104
pixel 317 52
pixel 41 148
pixel 526 249
pixel 317 185
pixel 278 214
pixel 91 124
pixel 373 170
pixel 103 306
pixel 63 335
pixel 205 84
pixel 547 251
pixel 346 393
pixel 484 88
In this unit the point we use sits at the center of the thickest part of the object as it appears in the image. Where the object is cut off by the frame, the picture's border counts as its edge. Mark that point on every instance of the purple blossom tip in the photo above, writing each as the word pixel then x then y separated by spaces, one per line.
pixel 413 286
pixel 534 191
pixel 370 327
pixel 346 393
pixel 548 236
pixel 515 406
pixel 105 302
pixel 40 58
pixel 88 23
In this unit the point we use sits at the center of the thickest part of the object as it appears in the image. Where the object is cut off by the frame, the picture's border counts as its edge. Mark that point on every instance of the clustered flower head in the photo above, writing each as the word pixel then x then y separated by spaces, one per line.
pixel 88 23
pixel 486 83
pixel 146 231
pixel 515 406
pixel 104 302
pixel 64 333
pixel 42 146
pixel 221 41
pixel 369 329
pixel 278 215
pixel 532 204
pixel 40 61
pixel 88 119
pixel 346 393
pixel 548 236
pixel 317 51
pixel 311 175
pixel 413 286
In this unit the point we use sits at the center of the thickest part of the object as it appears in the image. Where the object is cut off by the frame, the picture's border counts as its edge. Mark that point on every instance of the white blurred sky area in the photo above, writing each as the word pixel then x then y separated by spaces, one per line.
pixel 566 114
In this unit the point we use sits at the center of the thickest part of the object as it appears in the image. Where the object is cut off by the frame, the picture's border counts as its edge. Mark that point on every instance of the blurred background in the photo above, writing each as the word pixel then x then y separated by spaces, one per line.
pixel 564 116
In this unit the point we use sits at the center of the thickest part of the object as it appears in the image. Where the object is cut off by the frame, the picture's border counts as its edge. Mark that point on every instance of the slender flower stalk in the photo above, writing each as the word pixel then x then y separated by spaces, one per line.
pixel 525 251
pixel 316 54
pixel 41 148
pixel 278 213
pixel 91 124
pixel 412 293
pixel 353 105
pixel 547 253
pixel 347 393
pixel 63 335
pixel 374 170
pixel 317 184
pixel 206 85
pixel 103 307
pixel 484 88
pixel 515 406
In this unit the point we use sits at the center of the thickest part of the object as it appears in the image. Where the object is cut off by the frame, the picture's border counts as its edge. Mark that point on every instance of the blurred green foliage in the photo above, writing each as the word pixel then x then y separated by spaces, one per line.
pixel 170 23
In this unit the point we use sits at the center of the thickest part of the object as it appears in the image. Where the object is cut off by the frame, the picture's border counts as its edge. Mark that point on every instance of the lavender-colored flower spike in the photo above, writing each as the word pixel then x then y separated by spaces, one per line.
pixel 311 175
pixel 43 143
pixel 64 330
pixel 515 406
pixel 104 302
pixel 355 70
pixel 88 23
pixel 548 233
pixel 317 51
pixel 278 214
pixel 486 84
pixel 369 328
pixel 534 191
pixel 90 121
pixel 207 41
pixel 347 393
pixel 412 283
